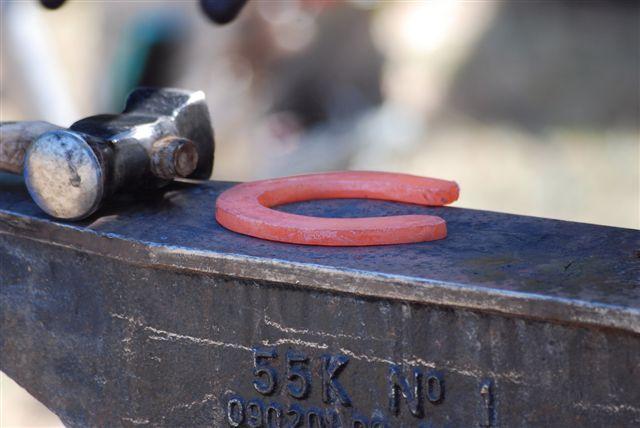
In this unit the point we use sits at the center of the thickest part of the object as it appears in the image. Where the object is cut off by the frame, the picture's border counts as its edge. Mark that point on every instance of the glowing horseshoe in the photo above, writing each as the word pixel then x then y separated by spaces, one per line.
pixel 245 208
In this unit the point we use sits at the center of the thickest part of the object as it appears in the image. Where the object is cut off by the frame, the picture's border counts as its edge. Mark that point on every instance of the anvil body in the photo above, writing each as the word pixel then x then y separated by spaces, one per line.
pixel 149 313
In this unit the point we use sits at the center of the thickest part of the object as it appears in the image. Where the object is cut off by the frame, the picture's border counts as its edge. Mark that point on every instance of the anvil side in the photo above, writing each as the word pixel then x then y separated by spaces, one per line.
pixel 152 314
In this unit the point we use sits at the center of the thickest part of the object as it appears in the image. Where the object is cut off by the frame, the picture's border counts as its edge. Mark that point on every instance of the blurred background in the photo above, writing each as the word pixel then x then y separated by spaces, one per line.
pixel 533 107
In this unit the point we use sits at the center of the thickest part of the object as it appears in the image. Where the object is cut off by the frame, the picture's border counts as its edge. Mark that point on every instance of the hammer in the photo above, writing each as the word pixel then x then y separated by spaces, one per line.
pixel 162 134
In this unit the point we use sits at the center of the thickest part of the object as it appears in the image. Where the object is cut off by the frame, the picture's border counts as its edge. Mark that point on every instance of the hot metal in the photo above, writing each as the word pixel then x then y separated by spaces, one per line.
pixel 246 208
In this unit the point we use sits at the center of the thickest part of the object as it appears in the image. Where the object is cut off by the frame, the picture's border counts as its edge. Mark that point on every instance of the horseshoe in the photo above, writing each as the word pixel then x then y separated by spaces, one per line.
pixel 246 208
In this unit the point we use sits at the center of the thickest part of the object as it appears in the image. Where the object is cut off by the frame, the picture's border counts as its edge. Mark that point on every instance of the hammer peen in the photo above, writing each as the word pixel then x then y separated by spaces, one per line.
pixel 162 134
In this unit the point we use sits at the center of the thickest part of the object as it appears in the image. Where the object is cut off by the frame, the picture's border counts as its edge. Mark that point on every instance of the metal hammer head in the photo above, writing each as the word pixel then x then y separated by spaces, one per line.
pixel 161 134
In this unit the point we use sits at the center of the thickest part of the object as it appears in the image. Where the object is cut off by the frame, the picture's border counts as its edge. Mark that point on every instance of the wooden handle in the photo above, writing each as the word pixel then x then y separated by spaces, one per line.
pixel 15 138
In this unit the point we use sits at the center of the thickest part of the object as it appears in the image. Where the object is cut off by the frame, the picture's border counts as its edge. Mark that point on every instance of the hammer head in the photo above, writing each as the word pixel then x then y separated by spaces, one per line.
pixel 161 134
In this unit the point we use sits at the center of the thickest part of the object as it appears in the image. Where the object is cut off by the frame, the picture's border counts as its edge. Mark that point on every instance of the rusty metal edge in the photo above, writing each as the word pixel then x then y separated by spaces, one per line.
pixel 319 277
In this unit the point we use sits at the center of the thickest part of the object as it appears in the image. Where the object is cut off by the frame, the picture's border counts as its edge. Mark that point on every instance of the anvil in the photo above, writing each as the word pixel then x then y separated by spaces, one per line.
pixel 149 313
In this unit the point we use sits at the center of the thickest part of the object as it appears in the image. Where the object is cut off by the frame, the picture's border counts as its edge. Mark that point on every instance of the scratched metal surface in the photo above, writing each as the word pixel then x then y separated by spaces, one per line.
pixel 105 343
pixel 149 314
pixel 525 266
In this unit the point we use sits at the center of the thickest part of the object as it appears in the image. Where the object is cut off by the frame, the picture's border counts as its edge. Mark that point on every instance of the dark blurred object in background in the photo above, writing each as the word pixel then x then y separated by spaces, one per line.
pixel 564 63
pixel 219 11
pixel 149 52
pixel 337 76
pixel 52 4
pixel 222 11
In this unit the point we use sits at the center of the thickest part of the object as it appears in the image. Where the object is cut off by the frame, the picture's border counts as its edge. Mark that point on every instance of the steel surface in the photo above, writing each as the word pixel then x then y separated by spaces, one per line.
pixel 162 134
pixel 153 314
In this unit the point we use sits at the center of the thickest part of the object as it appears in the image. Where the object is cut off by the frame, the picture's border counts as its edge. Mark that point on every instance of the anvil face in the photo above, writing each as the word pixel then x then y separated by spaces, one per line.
pixel 152 314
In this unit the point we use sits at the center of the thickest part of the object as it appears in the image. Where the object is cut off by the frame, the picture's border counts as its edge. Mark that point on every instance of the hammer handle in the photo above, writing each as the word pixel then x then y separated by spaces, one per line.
pixel 15 139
